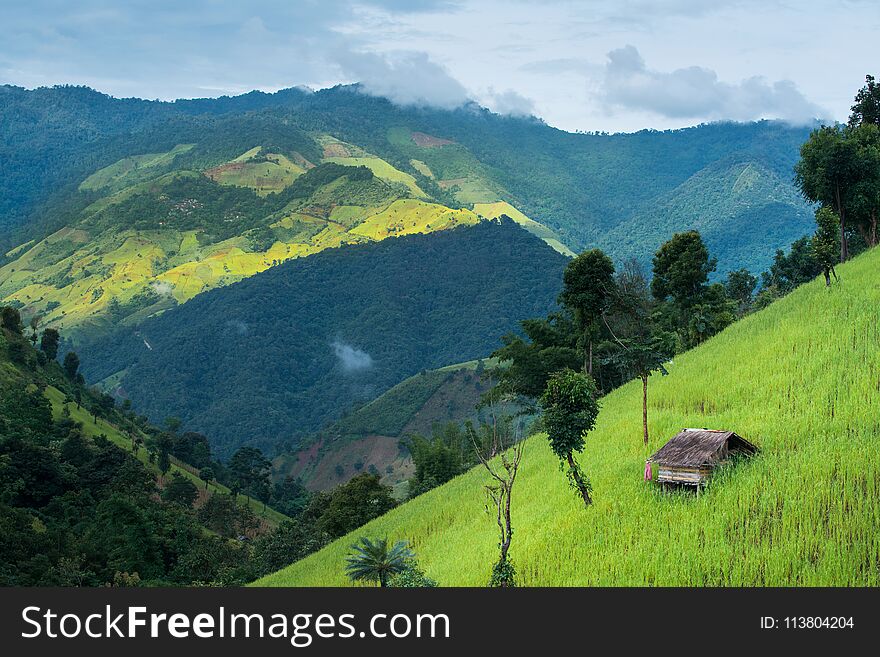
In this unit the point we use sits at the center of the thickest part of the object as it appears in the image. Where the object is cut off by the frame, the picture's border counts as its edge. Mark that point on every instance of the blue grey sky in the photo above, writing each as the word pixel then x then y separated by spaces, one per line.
pixel 585 65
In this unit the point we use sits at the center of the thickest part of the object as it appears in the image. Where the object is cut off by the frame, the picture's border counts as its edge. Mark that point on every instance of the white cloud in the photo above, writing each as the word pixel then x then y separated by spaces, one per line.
pixel 509 102
pixel 697 92
pixel 404 78
pixel 350 357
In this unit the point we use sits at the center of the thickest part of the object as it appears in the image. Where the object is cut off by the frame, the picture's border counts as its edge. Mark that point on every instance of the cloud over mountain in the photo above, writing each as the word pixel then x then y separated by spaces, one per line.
pixel 697 92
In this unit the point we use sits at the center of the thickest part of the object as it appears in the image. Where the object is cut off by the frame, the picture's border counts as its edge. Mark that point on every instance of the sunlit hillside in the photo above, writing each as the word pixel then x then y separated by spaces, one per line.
pixel 800 379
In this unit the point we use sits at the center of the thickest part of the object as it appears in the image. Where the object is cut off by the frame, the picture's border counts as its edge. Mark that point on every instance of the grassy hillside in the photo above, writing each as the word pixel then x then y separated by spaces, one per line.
pixel 800 379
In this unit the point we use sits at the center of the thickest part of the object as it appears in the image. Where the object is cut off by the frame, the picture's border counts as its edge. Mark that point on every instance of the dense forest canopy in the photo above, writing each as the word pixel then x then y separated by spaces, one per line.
pixel 271 358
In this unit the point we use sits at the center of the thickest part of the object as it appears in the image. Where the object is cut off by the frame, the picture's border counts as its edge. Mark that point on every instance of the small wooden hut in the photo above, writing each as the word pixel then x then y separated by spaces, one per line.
pixel 691 455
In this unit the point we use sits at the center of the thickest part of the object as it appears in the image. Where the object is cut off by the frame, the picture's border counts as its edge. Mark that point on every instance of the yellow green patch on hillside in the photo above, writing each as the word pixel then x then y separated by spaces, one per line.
pixel 130 170
pixel 267 173
pixel 381 169
pixel 408 216
pixel 499 208
pixel 799 379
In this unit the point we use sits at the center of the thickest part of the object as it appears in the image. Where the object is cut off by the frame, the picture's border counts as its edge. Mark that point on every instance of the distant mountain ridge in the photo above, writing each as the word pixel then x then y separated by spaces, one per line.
pixel 587 188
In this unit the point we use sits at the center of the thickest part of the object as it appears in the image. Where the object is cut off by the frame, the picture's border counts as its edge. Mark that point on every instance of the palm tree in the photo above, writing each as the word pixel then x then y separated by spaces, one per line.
pixel 373 561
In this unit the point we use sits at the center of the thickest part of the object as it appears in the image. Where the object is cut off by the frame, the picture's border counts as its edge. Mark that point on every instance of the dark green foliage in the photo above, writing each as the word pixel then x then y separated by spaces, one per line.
pixel 570 409
pixel 290 542
pixel 503 574
pixel 866 108
pixel 740 287
pixel 795 268
pixel 442 298
pixel 355 503
pixel 681 269
pixel 71 364
pixel 164 446
pixel 587 291
pixel 447 453
pixel 249 471
pixel 290 497
pixel 192 448
pixel 412 577
pixel 828 171
pixel 373 560
pixel 180 490
pixel 10 319
pixel 552 346
pixel 825 242
pixel 223 515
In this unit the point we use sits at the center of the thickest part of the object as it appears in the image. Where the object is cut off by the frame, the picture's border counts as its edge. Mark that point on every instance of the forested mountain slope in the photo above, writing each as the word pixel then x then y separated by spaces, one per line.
pixel 70 154
pixel 270 359
pixel 799 379
pixel 93 495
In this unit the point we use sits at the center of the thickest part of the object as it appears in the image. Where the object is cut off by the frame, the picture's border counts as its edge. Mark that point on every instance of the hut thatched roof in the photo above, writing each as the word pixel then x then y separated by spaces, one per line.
pixel 697 447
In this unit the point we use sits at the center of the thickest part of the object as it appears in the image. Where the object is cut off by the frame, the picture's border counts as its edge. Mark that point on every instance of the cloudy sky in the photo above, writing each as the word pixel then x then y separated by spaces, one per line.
pixel 616 65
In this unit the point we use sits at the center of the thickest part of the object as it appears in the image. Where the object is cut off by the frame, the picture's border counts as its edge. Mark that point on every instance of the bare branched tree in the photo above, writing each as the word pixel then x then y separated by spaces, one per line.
pixel 500 452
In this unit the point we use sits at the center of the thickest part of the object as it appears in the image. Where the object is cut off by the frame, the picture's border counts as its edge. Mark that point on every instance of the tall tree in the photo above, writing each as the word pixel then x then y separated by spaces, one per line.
pixel 10 319
pixel 824 243
pixel 866 108
pixel 509 452
pixel 71 365
pixel 740 287
pixel 49 343
pixel 866 190
pixel 570 410
pixel 681 269
pixel 35 324
pixel 827 172
pixel 250 471
pixel 164 446
pixel 587 290
pixel 355 503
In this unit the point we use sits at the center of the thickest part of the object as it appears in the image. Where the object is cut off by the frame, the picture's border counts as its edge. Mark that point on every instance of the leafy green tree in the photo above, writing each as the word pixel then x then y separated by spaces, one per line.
pixel 250 472
pixel 10 319
pixel 180 490
pixel 163 446
pixel 740 287
pixel 372 560
pixel 681 269
pixel 207 475
pixel 827 172
pixel 71 365
pixel 437 459
pixel 355 503
pixel 642 356
pixel 49 343
pixel 865 205
pixel 825 242
pixel 172 424
pixel 35 324
pixel 587 290
pixel 570 410
pixel 790 270
pixel 866 108
pixel 551 346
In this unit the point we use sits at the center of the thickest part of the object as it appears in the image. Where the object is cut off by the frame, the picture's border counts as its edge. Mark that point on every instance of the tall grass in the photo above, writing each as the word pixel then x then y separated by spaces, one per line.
pixel 800 379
